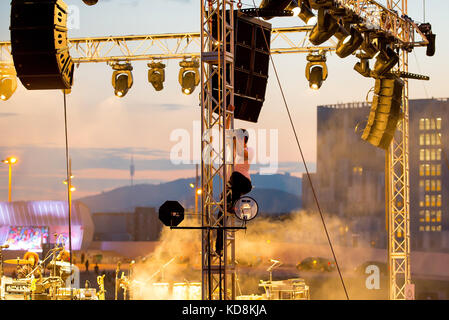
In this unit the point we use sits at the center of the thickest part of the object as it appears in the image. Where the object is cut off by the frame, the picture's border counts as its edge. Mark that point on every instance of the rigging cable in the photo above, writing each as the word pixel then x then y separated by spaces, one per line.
pixel 69 182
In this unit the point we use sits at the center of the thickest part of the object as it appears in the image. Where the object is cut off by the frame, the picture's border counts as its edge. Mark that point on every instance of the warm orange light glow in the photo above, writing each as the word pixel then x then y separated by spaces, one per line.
pixel 199 191
pixel 10 160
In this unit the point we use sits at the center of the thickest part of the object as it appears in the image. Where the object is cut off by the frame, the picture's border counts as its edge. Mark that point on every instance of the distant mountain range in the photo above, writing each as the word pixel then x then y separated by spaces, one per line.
pixel 275 194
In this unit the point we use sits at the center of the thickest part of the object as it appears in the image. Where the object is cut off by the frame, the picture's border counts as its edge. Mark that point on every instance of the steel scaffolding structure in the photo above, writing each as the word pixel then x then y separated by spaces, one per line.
pixel 169 46
pixel 397 182
pixel 217 72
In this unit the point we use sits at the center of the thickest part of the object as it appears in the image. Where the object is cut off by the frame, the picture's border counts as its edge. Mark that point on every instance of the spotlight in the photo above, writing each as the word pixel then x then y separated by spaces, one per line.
pixel 385 61
pixel 303 11
pixel 8 82
pixel 189 76
pixel 316 70
pixel 325 28
pixel 90 2
pixel 122 78
pixel 156 75
pixel 347 45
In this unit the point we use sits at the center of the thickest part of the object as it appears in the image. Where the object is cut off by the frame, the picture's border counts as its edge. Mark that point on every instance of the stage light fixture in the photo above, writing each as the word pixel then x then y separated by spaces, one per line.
pixel 90 2
pixel 350 43
pixel 156 75
pixel 363 68
pixel 189 76
pixel 8 82
pixel 171 213
pixel 303 11
pixel 426 29
pixel 122 78
pixel 246 208
pixel 273 5
pixel 370 46
pixel 325 28
pixel 316 70
pixel 386 59
pixel 319 4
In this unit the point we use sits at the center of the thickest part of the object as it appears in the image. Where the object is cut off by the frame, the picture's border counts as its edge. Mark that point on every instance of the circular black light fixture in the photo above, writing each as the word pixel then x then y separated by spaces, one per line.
pixel 171 213
pixel 246 208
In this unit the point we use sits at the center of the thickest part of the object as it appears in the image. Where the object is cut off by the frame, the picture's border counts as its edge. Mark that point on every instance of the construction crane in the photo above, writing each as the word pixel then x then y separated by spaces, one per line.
pixel 389 18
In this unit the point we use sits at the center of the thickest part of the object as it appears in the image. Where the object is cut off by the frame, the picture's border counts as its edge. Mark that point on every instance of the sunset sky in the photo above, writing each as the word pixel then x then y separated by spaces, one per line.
pixel 104 131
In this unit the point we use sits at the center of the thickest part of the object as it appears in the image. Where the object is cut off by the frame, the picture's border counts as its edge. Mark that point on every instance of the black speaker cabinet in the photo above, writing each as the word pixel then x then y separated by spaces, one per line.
pixel 39 44
pixel 385 112
pixel 252 39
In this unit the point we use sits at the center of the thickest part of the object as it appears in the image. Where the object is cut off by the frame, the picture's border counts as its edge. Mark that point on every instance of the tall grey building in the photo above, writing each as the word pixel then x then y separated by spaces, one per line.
pixel 350 179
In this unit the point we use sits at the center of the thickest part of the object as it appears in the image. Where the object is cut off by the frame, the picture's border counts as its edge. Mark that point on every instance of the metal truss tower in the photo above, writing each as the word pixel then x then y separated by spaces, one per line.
pixel 217 72
pixel 397 182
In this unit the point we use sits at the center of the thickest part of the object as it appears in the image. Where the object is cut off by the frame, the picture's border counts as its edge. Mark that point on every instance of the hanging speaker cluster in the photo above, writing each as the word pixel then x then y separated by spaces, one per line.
pixel 39 44
pixel 252 40
pixel 385 112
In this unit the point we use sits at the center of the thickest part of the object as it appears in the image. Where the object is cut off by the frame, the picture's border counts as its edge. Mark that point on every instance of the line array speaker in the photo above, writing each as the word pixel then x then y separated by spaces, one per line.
pixel 385 112
pixel 39 44
pixel 252 40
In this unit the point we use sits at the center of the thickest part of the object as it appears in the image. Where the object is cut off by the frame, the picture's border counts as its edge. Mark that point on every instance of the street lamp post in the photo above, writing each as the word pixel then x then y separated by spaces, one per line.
pixel 10 161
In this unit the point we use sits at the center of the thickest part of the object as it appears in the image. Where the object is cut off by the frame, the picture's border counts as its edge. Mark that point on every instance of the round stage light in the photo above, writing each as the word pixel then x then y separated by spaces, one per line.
pixel 246 208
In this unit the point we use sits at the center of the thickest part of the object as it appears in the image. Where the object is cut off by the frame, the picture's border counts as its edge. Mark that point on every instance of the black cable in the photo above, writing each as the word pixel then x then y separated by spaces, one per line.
pixel 68 188
pixel 306 168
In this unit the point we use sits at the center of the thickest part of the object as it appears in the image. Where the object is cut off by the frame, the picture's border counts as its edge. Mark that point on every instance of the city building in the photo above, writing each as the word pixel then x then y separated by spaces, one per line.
pixel 141 225
pixel 350 179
